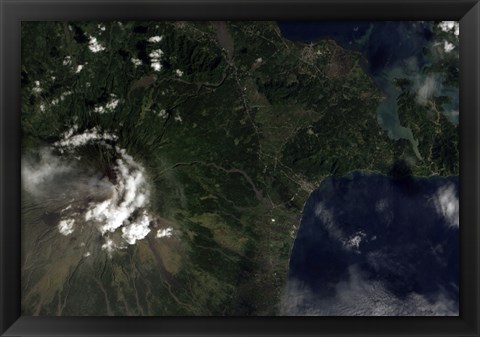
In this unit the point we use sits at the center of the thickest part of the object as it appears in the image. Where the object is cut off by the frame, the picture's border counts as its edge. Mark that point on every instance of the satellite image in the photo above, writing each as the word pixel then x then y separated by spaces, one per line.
pixel 243 168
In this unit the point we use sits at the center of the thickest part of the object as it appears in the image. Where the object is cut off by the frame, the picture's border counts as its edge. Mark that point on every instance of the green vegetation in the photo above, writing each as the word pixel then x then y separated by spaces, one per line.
pixel 235 131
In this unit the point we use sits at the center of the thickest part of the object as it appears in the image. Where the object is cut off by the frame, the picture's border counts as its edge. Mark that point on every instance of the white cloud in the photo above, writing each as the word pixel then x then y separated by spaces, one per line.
pixel 156 66
pixel 64 95
pixel 110 246
pixel 112 104
pixel 37 89
pixel 109 106
pixel 99 109
pixel 353 242
pixel 165 233
pixel 65 227
pixel 94 45
pixel 70 142
pixel 447 46
pixel 162 114
pixel 446 203
pixel 67 60
pixel 137 230
pixel 155 39
pixel 136 62
pixel 70 132
pixel 450 26
pixel 155 57
pixel 156 54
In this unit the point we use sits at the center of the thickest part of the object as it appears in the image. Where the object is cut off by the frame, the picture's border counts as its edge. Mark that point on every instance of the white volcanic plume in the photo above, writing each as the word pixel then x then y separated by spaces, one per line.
pixel 130 195
pixel 115 205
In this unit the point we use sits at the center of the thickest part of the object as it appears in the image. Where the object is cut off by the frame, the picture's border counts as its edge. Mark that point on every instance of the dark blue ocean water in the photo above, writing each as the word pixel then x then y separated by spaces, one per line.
pixel 386 243
pixel 391 49
pixel 404 241
pixel 385 44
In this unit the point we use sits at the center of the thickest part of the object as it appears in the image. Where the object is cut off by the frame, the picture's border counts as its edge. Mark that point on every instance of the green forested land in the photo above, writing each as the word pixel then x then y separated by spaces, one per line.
pixel 253 125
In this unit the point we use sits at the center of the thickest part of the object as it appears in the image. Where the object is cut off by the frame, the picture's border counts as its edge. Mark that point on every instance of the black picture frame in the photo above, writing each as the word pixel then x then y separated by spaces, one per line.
pixel 15 11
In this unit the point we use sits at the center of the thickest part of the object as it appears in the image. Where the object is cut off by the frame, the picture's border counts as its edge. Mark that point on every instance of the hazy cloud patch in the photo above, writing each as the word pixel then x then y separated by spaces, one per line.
pixel 427 88
pixel 359 296
pixel 446 202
